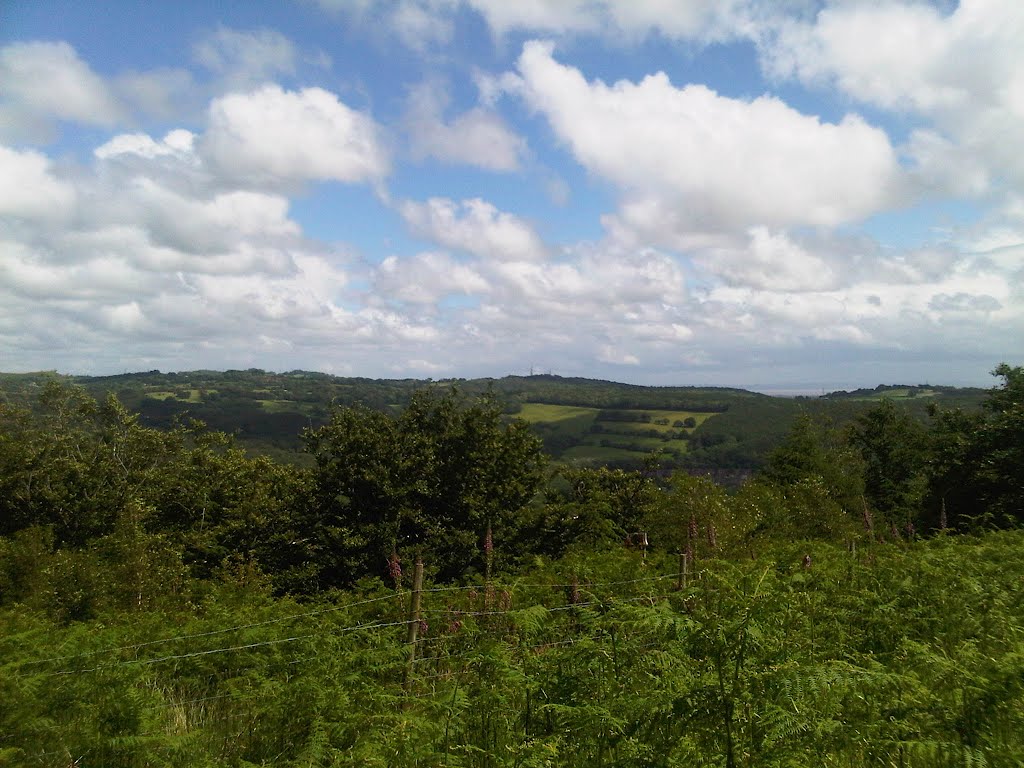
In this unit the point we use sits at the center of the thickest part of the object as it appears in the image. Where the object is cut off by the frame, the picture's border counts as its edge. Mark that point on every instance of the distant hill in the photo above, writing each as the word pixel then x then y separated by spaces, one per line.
pixel 581 421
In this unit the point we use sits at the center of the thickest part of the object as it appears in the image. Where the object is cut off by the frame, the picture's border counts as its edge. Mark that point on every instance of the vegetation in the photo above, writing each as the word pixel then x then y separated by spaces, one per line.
pixel 582 422
pixel 168 599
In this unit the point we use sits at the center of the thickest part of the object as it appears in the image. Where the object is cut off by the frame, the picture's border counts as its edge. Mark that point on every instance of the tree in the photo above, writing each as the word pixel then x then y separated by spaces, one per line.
pixel 975 471
pixel 430 482
pixel 591 508
pixel 893 447
pixel 821 477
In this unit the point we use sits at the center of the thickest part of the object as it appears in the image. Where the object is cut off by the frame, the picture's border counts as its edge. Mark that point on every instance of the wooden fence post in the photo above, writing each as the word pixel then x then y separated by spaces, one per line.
pixel 414 620
pixel 684 562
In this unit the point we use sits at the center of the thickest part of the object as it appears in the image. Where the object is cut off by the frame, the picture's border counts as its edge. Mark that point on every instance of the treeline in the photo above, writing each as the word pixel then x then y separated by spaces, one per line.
pixel 267 412
pixel 446 472
pixel 594 393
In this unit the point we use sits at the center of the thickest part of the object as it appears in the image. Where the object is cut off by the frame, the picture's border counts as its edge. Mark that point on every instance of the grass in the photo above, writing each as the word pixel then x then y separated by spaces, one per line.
pixel 576 423
pixel 899 394
pixel 542 412
pixel 280 406
pixel 164 394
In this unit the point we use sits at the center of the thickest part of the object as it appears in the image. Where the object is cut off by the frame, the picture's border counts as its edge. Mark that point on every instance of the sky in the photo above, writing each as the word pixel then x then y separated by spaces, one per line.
pixel 783 195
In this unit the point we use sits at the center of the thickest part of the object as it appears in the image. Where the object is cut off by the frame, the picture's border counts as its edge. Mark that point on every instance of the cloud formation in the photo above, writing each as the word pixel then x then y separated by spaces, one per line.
pixel 255 204
pixel 477 136
pixel 724 163
pixel 73 92
pixel 272 136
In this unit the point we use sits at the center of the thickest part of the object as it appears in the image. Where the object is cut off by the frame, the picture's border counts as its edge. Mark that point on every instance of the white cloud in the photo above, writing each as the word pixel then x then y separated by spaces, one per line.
pixel 962 71
pixel 723 164
pixel 771 261
pixel 275 136
pixel 421 27
pixel 477 137
pixel 474 226
pixel 177 142
pixel 703 21
pixel 427 278
pixel 28 189
pixel 252 226
pixel 246 58
pixel 45 82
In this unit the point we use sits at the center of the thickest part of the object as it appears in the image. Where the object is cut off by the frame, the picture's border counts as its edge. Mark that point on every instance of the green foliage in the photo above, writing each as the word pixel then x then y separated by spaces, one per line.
pixel 975 473
pixel 145 620
pixel 887 655
pixel 893 447
pixel 589 509
pixel 429 482
pixel 821 477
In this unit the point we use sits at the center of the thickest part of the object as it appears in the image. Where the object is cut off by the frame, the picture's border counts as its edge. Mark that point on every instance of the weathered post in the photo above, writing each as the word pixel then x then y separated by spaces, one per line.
pixel 414 620
pixel 684 564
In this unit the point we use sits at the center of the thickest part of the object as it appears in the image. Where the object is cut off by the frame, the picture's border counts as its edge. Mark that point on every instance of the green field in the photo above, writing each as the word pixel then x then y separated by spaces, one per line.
pixel 906 393
pixel 542 412
pixel 192 396
pixel 575 434
pixel 283 406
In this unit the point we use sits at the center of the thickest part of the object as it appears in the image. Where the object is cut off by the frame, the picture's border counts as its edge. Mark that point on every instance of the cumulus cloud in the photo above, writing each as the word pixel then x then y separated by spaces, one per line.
pixel 731 242
pixel 423 24
pixel 910 58
pixel 477 136
pixel 28 188
pixel 271 136
pixel 427 278
pixel 474 226
pixel 72 91
pixel 771 261
pixel 420 27
pixel 176 143
pixel 722 163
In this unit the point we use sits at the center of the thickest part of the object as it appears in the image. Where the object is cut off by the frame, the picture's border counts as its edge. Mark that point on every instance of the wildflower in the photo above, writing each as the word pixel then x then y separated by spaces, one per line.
pixel 395 569
pixel 574 591
pixel 869 521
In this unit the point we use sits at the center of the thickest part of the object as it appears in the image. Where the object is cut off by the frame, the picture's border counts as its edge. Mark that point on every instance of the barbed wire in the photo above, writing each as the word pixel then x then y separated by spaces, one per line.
pixel 207 652
pixel 333 609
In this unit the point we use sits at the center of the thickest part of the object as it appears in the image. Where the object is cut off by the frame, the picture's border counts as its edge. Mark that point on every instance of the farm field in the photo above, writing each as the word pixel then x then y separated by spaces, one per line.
pixel 599 436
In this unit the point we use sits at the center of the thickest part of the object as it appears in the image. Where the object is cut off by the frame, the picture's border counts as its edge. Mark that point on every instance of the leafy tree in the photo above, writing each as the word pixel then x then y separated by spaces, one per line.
pixel 591 508
pixel 429 481
pixel 140 500
pixel 975 473
pixel 892 445
pixel 822 479
pixel 694 516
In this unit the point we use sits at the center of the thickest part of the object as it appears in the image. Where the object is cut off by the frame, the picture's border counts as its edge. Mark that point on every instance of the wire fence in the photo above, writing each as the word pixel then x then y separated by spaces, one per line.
pixel 516 622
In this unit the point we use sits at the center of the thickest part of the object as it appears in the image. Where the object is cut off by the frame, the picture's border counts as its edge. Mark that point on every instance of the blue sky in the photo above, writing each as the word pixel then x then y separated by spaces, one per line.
pixel 783 195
